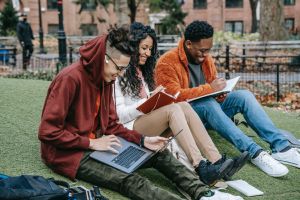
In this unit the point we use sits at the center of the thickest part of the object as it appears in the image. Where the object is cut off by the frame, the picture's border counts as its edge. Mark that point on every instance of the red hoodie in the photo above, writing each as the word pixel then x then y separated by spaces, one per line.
pixel 68 113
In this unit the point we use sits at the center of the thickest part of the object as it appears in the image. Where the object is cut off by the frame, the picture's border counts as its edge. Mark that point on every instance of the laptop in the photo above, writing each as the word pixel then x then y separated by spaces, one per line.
pixel 130 156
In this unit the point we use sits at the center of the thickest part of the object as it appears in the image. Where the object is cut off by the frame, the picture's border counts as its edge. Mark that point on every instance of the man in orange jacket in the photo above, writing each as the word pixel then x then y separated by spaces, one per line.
pixel 190 70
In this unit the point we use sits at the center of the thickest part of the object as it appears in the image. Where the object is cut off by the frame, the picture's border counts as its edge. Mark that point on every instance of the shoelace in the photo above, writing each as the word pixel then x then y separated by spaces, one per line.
pixel 267 160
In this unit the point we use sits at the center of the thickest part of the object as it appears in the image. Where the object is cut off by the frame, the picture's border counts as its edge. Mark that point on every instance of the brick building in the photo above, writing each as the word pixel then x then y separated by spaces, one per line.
pixel 91 21
pixel 235 15
pixel 227 15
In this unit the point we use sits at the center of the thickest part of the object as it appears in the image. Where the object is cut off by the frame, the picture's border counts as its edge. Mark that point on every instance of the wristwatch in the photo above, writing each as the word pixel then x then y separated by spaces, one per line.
pixel 142 142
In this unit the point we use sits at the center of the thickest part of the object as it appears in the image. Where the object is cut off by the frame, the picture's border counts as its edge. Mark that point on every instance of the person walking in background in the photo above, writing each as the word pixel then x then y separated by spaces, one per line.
pixel 132 89
pixel 25 36
pixel 79 117
pixel 190 69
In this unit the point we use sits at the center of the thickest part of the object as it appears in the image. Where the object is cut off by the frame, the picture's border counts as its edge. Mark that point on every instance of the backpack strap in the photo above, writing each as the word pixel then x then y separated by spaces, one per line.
pixel 3 176
pixel 60 183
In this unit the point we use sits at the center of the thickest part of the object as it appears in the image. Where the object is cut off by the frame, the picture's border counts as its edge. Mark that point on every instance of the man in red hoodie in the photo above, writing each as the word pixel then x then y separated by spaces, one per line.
pixel 79 117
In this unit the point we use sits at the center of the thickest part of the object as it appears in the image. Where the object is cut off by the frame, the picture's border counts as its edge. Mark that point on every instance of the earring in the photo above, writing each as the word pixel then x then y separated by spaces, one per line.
pixel 106 61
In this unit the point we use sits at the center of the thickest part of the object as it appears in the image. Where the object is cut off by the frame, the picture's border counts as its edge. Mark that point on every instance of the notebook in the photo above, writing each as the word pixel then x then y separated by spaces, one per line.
pixel 230 84
pixel 156 101
pixel 245 188
pixel 130 156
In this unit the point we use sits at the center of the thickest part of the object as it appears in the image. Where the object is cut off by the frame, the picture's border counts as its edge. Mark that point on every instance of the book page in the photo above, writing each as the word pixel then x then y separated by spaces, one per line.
pixel 230 84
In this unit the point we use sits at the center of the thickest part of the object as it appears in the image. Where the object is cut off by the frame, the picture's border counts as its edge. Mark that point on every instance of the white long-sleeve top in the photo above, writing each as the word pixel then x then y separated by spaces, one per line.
pixel 126 105
pixel 127 112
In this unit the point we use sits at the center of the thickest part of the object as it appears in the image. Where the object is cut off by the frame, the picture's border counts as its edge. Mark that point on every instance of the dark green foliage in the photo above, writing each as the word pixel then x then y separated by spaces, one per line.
pixel 36 75
pixel 8 20
pixel 174 19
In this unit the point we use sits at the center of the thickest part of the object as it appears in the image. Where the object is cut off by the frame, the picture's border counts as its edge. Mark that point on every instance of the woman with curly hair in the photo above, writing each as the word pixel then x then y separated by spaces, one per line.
pixel 133 88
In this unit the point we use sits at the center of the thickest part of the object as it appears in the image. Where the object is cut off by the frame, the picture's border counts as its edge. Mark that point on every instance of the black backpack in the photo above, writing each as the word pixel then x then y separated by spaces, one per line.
pixel 27 187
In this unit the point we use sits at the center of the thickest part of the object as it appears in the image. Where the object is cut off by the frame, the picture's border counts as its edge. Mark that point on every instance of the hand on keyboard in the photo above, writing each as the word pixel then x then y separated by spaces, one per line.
pixel 105 143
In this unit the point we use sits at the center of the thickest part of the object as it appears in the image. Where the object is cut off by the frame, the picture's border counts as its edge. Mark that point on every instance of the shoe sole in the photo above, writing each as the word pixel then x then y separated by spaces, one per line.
pixel 224 169
pixel 273 175
pixel 288 163
pixel 241 162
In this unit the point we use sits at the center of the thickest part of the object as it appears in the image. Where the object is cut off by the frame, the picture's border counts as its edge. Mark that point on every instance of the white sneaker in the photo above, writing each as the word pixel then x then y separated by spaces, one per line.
pixel 221 196
pixel 290 157
pixel 269 165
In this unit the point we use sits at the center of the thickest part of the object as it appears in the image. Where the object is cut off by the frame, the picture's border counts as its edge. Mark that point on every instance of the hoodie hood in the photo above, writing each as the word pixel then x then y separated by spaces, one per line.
pixel 92 58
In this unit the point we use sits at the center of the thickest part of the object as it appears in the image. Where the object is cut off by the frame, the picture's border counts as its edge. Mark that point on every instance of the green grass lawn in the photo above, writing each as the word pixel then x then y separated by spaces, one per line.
pixel 21 103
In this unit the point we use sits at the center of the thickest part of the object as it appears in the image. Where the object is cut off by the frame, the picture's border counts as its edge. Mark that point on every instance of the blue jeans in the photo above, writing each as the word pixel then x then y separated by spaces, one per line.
pixel 218 116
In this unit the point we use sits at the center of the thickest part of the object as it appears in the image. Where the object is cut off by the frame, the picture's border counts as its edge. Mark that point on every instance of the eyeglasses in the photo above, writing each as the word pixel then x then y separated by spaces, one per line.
pixel 203 51
pixel 119 68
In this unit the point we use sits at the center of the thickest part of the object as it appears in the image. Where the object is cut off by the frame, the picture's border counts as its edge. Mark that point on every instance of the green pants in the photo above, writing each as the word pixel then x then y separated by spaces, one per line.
pixel 138 187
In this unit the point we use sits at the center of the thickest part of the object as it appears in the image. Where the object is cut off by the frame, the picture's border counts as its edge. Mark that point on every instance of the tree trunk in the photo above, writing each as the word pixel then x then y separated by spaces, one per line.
pixel 272 20
pixel 132 8
pixel 122 11
pixel 253 5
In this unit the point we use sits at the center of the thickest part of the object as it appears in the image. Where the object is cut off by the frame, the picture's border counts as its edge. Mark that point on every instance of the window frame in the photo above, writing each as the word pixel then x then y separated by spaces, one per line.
pixel 202 7
pixel 233 26
pixel 232 5
pixel 53 2
pixel 285 2
pixel 293 23
pixel 83 26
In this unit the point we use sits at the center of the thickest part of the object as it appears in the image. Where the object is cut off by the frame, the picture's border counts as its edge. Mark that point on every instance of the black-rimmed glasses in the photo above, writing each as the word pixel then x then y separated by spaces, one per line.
pixel 204 51
pixel 119 68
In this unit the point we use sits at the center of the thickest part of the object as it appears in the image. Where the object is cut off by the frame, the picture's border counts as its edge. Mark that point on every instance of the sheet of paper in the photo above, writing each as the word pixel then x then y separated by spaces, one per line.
pixel 230 84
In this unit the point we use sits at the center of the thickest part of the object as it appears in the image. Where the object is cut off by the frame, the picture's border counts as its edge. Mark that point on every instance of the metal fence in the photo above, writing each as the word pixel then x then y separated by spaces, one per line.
pixel 266 68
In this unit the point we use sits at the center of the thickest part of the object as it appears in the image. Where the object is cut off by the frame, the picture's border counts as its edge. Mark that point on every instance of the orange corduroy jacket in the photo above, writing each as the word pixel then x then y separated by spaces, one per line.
pixel 172 72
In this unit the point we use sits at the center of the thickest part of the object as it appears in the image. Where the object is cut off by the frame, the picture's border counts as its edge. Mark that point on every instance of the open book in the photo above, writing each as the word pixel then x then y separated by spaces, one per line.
pixel 156 101
pixel 230 84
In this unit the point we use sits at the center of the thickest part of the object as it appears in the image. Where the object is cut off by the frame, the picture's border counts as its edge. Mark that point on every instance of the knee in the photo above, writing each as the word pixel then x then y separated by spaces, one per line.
pixel 185 105
pixel 243 95
pixel 206 104
pixel 174 111
pixel 175 108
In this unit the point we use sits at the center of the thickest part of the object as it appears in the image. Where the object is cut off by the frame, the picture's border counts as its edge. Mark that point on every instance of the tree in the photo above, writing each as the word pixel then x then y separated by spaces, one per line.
pixel 8 20
pixel 131 4
pixel 272 20
pixel 175 18
pixel 93 3
pixel 253 5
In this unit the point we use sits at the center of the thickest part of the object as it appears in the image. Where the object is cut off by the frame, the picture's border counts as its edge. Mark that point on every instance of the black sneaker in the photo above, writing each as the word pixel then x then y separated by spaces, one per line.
pixel 210 173
pixel 239 162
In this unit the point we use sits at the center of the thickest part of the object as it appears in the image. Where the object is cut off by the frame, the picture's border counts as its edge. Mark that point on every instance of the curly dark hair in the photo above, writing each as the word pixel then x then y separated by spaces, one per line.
pixel 130 83
pixel 120 38
pixel 198 30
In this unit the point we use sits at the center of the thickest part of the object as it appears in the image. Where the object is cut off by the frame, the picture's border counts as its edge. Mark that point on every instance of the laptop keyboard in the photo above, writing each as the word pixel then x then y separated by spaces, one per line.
pixel 128 157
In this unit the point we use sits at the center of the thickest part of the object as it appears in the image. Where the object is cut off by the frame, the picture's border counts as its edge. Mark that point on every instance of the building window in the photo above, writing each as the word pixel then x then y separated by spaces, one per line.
pixel 200 4
pixel 289 2
pixel 52 4
pixel 289 24
pixel 234 3
pixel 52 29
pixel 89 29
pixel 89 5
pixel 234 26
